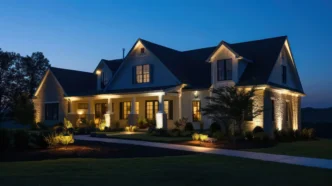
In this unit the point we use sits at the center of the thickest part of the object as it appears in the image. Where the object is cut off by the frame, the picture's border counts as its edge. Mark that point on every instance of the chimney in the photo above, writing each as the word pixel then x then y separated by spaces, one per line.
pixel 123 53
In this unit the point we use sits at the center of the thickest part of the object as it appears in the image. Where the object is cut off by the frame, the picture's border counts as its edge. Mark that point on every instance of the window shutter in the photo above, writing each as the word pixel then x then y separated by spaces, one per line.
pixel 222 70
pixel 133 74
pixel 170 109
pixel 229 69
pixel 151 73
pixel 218 71
pixel 121 110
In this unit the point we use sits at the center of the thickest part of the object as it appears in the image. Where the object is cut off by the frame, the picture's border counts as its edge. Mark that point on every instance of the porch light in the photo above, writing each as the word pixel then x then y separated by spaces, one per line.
pixel 196 94
pixel 98 72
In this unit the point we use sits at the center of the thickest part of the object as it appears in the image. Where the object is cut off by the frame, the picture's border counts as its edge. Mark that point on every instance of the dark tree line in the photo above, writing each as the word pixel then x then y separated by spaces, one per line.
pixel 19 78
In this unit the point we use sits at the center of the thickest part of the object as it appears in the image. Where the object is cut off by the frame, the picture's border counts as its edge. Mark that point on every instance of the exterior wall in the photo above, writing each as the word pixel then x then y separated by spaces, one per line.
pixel 258 102
pixel 161 76
pixel 50 92
pixel 276 75
pixel 187 98
pixel 108 73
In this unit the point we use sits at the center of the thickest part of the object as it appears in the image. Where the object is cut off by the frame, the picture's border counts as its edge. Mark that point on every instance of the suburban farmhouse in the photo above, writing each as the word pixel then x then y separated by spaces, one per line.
pixel 163 84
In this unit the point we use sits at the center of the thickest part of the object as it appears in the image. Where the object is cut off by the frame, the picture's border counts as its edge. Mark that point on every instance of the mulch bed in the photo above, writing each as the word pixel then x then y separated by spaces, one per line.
pixel 84 149
pixel 230 145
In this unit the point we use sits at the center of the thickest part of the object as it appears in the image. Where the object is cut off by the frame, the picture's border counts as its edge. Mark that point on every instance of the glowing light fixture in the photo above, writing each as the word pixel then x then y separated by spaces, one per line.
pixel 98 72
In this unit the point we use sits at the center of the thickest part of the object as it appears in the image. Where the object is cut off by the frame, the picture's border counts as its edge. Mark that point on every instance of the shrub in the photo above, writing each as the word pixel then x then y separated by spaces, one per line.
pixel 131 128
pixel 142 123
pixel 4 139
pixel 102 125
pixel 260 136
pixel 311 133
pixel 160 132
pixel 55 139
pixel 214 127
pixel 297 134
pixel 181 122
pixel 67 123
pixel 38 140
pixel 66 139
pixel 185 133
pixel 195 136
pixel 174 132
pixel 248 135
pixel 218 135
pixel 21 139
pixel 203 137
pixel 189 127
pixel 52 139
pixel 305 133
pixel 257 129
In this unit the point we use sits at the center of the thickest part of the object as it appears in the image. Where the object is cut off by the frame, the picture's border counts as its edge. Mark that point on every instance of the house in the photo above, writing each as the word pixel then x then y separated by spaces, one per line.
pixel 157 82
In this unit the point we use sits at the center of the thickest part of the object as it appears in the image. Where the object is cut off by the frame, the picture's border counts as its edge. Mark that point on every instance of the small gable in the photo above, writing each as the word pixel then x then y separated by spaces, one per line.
pixel 49 89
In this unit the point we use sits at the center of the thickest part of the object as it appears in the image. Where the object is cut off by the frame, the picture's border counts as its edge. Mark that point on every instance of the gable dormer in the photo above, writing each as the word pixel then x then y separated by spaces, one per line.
pixel 227 66
pixel 105 71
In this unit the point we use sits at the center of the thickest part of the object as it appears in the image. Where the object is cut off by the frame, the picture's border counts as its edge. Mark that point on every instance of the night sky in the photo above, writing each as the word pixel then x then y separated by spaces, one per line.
pixel 77 34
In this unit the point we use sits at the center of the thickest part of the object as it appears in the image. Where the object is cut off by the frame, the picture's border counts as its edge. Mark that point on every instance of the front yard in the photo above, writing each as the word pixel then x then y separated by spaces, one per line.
pixel 176 170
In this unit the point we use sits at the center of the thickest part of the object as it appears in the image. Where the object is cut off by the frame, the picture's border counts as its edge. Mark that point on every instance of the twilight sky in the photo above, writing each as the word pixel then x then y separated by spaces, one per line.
pixel 76 34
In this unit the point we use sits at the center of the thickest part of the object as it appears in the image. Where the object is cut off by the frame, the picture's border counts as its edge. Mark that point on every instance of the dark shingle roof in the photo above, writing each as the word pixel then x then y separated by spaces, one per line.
pixel 74 82
pixel 113 64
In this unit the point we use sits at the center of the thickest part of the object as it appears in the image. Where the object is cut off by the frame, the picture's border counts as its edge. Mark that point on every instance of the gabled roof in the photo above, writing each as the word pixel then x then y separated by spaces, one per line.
pixel 75 82
pixel 113 65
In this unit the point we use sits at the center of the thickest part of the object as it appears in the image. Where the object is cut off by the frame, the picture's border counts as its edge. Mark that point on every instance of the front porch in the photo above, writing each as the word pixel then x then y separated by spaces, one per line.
pixel 120 110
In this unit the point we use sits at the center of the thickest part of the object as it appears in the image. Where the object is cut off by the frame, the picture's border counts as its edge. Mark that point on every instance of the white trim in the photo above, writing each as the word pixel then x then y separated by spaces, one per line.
pixel 42 82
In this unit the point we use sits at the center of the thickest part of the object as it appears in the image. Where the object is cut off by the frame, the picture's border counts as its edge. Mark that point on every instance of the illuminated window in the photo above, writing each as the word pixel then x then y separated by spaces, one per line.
pixel 137 107
pixel 224 69
pixel 151 108
pixel 51 111
pixel 284 74
pixel 83 106
pixel 125 109
pixel 196 111
pixel 142 74
pixel 100 110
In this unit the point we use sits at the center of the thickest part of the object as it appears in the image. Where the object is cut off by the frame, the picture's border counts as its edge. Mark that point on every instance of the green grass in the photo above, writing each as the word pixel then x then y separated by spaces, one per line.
pixel 146 137
pixel 181 170
pixel 318 149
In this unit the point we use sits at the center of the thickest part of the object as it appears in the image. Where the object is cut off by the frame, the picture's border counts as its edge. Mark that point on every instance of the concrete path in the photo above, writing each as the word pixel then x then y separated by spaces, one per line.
pixel 309 162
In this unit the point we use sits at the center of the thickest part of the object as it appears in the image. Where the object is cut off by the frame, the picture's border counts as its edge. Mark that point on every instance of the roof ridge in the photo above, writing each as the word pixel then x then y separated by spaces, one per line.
pixel 69 70
pixel 112 59
pixel 149 42
pixel 270 38
pixel 191 50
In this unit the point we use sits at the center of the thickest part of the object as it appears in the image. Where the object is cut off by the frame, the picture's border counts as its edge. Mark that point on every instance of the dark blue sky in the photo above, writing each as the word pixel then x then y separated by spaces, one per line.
pixel 77 34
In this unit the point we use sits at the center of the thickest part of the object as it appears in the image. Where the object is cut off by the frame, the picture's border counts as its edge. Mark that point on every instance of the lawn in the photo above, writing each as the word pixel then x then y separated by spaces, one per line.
pixel 146 137
pixel 178 170
pixel 318 149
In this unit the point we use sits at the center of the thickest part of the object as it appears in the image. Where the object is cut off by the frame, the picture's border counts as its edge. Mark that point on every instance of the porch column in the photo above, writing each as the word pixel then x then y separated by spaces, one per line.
pixel 90 114
pixel 180 104
pixel 132 118
pixel 161 118
pixel 108 118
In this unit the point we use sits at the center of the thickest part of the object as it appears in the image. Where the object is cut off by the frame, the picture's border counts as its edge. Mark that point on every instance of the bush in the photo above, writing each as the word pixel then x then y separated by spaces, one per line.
pixel 21 139
pixel 261 136
pixel 214 127
pixel 52 139
pixel 218 135
pixel 131 128
pixel 42 126
pixel 248 135
pixel 305 133
pixel 101 126
pixel 4 139
pixel 160 132
pixel 181 122
pixel 203 137
pixel 189 127
pixel 311 133
pixel 142 123
pixel 297 134
pixel 174 132
pixel 38 140
pixel 195 136
pixel 185 133
pixel 257 129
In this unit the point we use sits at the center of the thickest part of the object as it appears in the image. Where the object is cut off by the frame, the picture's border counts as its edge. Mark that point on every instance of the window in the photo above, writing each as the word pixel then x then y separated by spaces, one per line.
pixel 248 114
pixel 142 50
pixel 125 109
pixel 100 110
pixel 272 110
pixel 284 74
pixel 51 111
pixel 142 74
pixel 83 106
pixel 224 69
pixel 197 111
pixel 151 108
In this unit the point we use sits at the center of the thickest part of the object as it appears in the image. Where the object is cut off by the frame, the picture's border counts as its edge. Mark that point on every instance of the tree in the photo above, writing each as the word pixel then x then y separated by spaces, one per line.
pixel 8 79
pixel 24 110
pixel 231 105
pixel 33 69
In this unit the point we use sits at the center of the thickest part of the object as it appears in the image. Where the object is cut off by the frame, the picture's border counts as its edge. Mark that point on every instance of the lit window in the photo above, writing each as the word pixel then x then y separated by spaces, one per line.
pixel 143 74
pixel 142 50
pixel 125 109
pixel 224 69
pixel 137 107
pixel 151 108
pixel 83 106
pixel 100 110
pixel 51 111
pixel 197 111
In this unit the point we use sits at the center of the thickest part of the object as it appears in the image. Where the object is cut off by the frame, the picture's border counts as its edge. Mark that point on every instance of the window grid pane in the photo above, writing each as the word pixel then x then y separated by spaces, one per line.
pixel 126 109
pixel 137 107
pixel 196 111
pixel 166 108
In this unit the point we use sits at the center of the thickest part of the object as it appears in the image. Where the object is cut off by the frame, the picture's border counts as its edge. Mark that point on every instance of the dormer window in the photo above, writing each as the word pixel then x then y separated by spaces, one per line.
pixel 224 69
pixel 142 50
pixel 142 73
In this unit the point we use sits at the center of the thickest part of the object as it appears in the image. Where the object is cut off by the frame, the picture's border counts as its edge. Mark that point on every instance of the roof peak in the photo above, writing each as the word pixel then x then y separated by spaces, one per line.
pixel 257 40
pixel 57 68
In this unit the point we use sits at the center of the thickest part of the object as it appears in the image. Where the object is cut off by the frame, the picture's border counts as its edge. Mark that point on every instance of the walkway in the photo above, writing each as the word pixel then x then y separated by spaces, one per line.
pixel 310 162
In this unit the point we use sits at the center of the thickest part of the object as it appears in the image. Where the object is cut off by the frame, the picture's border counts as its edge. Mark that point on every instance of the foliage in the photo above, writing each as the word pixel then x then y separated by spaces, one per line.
pixel 231 104
pixel 181 122
pixel 189 127
pixel 4 139
pixel 311 133
pixel 160 132
pixel 203 137
pixel 67 123
pixel 260 136
pixel 142 123
pixel 24 110
pixel 21 139
pixel 214 127
pixel 38 140
pixel 186 133
pixel 131 128
pixel 195 136
pixel 175 132
pixel 55 139
pixel 257 129
pixel 218 135
pixel 102 125
pixel 52 139
pixel 248 135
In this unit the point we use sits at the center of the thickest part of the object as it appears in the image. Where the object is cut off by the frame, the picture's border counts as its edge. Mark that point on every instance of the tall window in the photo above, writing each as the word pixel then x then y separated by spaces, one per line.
pixel 272 109
pixel 142 74
pixel 51 111
pixel 284 74
pixel 83 106
pixel 100 110
pixel 224 69
pixel 151 108
pixel 197 111
pixel 125 109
